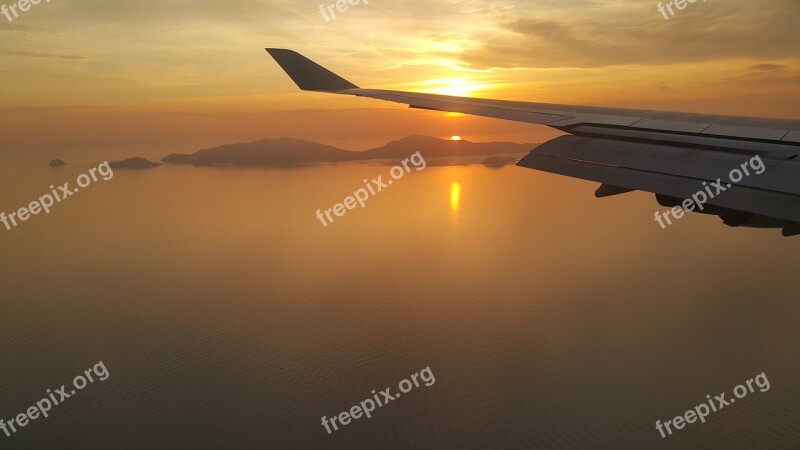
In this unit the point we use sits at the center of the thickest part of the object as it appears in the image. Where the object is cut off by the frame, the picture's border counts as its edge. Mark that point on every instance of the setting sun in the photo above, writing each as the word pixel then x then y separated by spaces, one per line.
pixel 455 138
pixel 459 87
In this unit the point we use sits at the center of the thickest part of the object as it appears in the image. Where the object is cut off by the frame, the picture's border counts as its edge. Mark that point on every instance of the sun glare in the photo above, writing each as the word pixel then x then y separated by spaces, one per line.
pixel 455 196
pixel 458 87
pixel 455 138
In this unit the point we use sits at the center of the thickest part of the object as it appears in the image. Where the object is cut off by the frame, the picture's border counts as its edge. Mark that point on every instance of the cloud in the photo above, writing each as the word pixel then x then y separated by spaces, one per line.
pixel 38 55
pixel 14 27
pixel 767 73
pixel 157 11
pixel 769 67
pixel 608 36
pixel 212 49
pixel 661 85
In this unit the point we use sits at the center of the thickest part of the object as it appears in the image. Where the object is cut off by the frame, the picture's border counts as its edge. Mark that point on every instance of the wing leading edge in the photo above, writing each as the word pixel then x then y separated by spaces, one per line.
pixel 667 153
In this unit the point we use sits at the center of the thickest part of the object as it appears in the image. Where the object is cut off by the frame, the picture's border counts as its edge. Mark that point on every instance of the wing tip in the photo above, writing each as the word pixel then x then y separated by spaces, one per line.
pixel 308 75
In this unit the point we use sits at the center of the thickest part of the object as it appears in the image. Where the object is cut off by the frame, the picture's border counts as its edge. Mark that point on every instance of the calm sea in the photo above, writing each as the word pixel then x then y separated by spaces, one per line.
pixel 229 317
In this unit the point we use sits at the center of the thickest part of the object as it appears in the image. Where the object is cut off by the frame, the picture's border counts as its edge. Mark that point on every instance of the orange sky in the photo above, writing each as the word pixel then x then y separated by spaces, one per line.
pixel 164 76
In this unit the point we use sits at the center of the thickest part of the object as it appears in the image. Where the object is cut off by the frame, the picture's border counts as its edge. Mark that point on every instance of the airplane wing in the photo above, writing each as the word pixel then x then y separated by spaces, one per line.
pixel 673 155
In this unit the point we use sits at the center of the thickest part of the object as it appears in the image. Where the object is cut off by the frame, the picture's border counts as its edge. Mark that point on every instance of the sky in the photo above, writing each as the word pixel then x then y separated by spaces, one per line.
pixel 181 75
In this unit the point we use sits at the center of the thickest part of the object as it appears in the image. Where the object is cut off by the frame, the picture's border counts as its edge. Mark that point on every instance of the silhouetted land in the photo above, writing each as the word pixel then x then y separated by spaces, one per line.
pixel 498 161
pixel 134 163
pixel 288 152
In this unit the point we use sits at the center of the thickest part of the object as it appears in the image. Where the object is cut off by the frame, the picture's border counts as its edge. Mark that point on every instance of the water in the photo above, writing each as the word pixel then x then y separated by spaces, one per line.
pixel 229 317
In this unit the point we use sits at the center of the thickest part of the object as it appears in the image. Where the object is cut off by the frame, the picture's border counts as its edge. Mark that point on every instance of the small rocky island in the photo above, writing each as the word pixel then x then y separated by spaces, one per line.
pixel 57 163
pixel 134 163
pixel 498 161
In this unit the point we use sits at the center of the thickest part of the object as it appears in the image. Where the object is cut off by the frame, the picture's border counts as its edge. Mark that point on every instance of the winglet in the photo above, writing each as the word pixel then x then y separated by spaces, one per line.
pixel 308 75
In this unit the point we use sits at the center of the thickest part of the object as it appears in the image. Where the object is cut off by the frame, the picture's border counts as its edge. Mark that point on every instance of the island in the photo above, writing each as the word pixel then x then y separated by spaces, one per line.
pixel 289 152
pixel 495 162
pixel 134 163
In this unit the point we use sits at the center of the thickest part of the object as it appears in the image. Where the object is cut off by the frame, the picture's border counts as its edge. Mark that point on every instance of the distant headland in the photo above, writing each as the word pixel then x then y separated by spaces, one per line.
pixel 290 152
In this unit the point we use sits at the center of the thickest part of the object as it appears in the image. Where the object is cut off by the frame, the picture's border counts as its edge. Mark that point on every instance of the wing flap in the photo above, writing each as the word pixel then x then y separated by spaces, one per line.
pixel 740 198
pixel 703 165
pixel 670 178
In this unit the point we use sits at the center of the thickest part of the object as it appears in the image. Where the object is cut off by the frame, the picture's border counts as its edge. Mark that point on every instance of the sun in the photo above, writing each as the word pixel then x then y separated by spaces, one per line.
pixel 458 87
pixel 455 138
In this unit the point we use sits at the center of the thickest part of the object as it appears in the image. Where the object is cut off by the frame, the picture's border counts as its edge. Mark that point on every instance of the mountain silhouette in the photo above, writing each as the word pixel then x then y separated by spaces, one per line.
pixel 431 147
pixel 289 152
pixel 282 152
